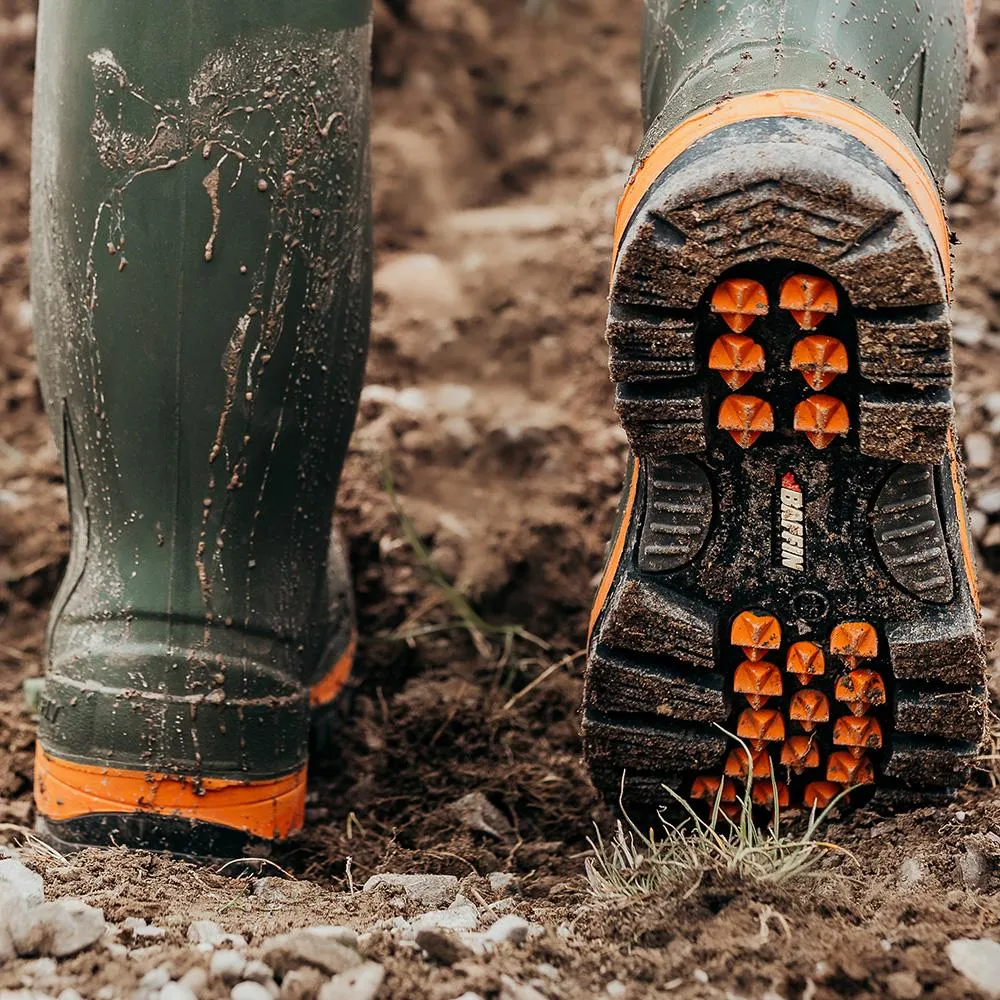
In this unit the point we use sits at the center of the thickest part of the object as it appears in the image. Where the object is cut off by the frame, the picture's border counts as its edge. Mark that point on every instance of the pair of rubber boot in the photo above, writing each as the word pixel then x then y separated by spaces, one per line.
pixel 202 271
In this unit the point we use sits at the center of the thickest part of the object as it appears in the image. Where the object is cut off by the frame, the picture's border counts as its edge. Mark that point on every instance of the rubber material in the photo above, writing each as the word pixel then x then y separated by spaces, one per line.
pixel 793 564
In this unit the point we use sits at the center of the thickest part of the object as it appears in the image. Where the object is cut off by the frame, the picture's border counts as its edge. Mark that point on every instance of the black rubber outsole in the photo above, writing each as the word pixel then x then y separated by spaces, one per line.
pixel 881 514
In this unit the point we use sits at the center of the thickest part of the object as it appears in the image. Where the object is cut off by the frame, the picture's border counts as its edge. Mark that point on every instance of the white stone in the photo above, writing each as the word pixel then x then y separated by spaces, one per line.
pixel 250 991
pixel 362 983
pixel 60 928
pixel 228 965
pixel 335 932
pixel 177 991
pixel 501 882
pixel 979 961
pixel 19 885
pixel 421 285
pixel 139 929
pixel 978 450
pixel 195 979
pixel 156 978
pixel 509 929
pixel 209 934
pixel 461 918
pixel 989 501
pixel 257 971
pixel 423 890
pixel 616 989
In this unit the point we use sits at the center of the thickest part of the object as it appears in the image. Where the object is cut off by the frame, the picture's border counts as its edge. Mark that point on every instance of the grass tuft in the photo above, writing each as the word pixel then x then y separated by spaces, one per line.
pixel 676 858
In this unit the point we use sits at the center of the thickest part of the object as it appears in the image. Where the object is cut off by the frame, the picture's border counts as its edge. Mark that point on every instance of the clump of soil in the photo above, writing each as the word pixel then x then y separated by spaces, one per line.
pixel 503 132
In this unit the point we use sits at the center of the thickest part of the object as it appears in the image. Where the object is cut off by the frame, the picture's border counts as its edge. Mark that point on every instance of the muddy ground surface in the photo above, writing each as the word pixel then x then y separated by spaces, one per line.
pixel 503 133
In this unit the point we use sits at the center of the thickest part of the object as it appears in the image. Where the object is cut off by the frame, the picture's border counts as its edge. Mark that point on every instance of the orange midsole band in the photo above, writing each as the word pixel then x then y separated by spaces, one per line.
pixel 963 522
pixel 270 809
pixel 881 140
pixel 616 551
pixel 323 692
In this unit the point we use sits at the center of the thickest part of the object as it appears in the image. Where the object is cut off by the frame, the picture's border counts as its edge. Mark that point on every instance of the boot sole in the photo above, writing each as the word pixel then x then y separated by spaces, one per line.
pixel 792 565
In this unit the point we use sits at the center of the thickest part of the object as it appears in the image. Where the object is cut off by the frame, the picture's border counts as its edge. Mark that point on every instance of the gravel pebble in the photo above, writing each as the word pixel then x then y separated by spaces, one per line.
pixel 156 978
pixel 209 934
pixel 979 961
pixel 19 885
pixel 423 890
pixel 196 980
pixel 442 947
pixel 362 983
pixel 501 882
pixel 903 986
pixel 257 971
pixel 302 984
pixel 978 450
pixel 249 991
pixel 989 501
pixel 509 929
pixel 461 918
pixel 177 991
pixel 297 948
pixel 60 928
pixel 228 965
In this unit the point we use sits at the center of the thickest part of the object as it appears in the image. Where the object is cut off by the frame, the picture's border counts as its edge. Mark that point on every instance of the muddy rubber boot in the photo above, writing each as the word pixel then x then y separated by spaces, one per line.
pixel 790 589
pixel 201 252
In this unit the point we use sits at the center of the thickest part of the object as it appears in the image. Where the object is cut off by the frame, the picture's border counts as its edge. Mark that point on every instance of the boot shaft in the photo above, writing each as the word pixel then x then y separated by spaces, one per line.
pixel 902 62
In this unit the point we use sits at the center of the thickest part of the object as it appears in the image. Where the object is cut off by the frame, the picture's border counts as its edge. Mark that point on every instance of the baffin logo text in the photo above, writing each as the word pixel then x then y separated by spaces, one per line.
pixel 793 541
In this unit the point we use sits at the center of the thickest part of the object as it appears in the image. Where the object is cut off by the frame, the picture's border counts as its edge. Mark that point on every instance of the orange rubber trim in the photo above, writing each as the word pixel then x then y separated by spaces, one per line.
pixel 270 809
pixel 323 692
pixel 900 159
pixel 616 550
pixel 963 522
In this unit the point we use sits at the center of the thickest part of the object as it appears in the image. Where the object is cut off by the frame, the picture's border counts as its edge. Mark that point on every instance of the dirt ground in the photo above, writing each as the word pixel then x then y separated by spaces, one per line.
pixel 504 130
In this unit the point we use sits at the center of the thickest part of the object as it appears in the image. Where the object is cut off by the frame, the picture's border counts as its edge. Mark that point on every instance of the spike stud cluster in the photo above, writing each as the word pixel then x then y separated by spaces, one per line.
pixel 809 725
pixel 820 359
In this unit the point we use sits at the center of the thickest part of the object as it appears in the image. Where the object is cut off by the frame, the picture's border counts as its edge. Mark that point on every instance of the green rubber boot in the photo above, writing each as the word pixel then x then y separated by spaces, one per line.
pixel 789 615
pixel 202 263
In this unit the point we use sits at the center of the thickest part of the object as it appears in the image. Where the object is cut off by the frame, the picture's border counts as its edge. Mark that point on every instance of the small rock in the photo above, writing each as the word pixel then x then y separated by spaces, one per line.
pixel 991 403
pixel 974 868
pixel 989 501
pixel 336 932
pixel 969 328
pixel 954 185
pixel 140 930
pixel 297 948
pixel 229 966
pixel 156 978
pixel 476 812
pixel 979 961
pixel 196 980
pixel 501 882
pixel 462 918
pixel 60 928
pixel 250 991
pixel 41 968
pixel 700 976
pixel 19 885
pixel 271 889
pixel 421 285
pixel 177 991
pixel 979 523
pixel 616 989
pixel 422 890
pixel 469 995
pixel 362 983
pixel 511 989
pixel 509 929
pixel 911 873
pixel 302 984
pixel 978 450
pixel 257 971
pixel 903 986
pixel 208 934
pixel 548 971
pixel 69 994
pixel 442 947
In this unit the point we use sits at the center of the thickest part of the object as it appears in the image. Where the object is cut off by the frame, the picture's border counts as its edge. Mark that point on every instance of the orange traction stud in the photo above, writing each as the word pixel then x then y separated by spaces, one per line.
pixel 736 764
pixel 706 786
pixel 762 794
pixel 820 794
pixel 805 660
pixel 809 299
pixel 820 359
pixel 857 732
pixel 809 708
pixel 758 680
pixel 761 724
pixel 755 634
pixel 736 359
pixel 799 753
pixel 853 641
pixel 822 419
pixel 739 301
pixel 746 418
pixel 847 769
pixel 860 690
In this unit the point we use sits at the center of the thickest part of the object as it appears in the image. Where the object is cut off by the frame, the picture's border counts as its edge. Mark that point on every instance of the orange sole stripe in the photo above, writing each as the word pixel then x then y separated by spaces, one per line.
pixel 270 809
pixel 616 550
pixel 963 522
pixel 903 162
pixel 323 692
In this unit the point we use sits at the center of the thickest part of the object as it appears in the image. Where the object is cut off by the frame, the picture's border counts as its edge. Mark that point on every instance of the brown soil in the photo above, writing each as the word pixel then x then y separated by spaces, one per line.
pixel 503 133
